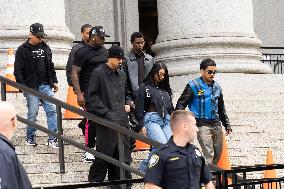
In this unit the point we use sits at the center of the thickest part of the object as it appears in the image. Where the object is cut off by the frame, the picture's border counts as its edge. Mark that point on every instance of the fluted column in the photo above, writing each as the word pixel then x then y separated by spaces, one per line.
pixel 190 31
pixel 17 16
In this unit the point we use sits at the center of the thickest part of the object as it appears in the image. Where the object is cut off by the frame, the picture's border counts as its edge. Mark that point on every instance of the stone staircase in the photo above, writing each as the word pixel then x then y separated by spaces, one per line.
pixel 254 103
pixel 42 162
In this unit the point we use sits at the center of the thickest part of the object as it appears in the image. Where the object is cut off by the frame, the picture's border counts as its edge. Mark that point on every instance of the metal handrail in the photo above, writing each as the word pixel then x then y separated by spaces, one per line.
pixel 61 138
pixel 237 180
pixel 275 60
pixel 91 184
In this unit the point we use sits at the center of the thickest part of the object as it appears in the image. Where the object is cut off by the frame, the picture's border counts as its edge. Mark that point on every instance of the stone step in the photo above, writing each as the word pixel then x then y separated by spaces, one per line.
pixel 48 172
pixel 257 121
pixel 67 130
pixel 255 108
pixel 43 149
pixel 51 178
pixel 49 157
pixel 243 102
pixel 265 143
pixel 54 167
pixel 42 140
pixel 255 115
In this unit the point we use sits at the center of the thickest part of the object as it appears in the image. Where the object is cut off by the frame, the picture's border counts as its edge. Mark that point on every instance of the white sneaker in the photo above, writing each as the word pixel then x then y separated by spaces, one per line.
pixel 53 143
pixel 88 158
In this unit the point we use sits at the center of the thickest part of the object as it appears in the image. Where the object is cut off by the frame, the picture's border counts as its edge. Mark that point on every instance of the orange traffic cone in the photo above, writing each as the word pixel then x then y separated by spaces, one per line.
pixel 71 100
pixel 141 146
pixel 224 160
pixel 10 71
pixel 270 173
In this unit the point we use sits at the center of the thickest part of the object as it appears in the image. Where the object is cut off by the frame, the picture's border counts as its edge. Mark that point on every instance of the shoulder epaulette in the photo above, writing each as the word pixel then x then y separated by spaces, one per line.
pixel 164 146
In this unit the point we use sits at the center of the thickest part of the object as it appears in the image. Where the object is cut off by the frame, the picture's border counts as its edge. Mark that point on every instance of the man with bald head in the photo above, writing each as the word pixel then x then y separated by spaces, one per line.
pixel 12 173
pixel 179 164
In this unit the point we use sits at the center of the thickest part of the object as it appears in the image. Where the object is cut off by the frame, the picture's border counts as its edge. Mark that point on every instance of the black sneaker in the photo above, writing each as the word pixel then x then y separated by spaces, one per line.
pixel 31 142
pixel 53 143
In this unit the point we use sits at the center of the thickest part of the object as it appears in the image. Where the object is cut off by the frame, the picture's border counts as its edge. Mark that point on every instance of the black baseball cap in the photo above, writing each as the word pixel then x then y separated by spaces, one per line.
pixel 99 31
pixel 115 52
pixel 37 30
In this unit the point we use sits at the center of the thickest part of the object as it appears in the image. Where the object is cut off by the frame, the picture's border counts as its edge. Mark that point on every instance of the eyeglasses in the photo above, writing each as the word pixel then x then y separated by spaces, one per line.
pixel 39 37
pixel 210 72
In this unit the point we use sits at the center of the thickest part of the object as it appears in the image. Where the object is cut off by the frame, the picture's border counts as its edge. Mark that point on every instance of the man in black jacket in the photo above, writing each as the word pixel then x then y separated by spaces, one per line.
pixel 12 173
pixel 34 68
pixel 85 29
pixel 108 96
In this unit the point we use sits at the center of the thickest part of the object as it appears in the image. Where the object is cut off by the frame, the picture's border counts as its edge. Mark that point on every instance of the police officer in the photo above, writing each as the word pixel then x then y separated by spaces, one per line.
pixel 204 98
pixel 179 164
pixel 12 173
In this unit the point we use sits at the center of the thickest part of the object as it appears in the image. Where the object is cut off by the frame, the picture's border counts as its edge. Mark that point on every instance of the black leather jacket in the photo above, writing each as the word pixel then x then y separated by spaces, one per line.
pixel 25 68
pixel 187 96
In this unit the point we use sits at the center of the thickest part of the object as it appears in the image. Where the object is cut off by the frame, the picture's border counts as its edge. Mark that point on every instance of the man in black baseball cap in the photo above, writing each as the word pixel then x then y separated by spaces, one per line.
pixel 86 60
pixel 36 29
pixel 98 31
pixel 34 68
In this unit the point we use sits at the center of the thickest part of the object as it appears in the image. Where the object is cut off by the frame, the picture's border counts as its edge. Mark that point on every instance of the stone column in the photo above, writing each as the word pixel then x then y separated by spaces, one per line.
pixel 190 31
pixel 17 16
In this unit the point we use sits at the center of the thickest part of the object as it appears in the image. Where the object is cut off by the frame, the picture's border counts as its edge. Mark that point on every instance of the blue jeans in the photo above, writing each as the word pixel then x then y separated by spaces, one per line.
pixel 49 108
pixel 157 129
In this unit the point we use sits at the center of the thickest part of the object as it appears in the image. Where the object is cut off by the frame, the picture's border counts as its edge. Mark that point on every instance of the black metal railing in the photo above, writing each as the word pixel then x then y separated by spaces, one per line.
pixel 238 178
pixel 274 60
pixel 62 138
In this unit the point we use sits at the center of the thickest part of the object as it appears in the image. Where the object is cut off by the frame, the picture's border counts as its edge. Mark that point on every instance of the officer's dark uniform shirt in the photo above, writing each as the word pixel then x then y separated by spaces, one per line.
pixel 174 167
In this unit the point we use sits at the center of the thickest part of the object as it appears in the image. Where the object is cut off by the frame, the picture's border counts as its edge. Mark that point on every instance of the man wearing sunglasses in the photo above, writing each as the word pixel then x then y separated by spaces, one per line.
pixel 203 96
pixel 34 68
pixel 88 58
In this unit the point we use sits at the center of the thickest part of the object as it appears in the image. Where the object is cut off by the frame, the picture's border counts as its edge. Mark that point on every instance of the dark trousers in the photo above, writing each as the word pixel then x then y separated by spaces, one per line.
pixel 89 131
pixel 107 143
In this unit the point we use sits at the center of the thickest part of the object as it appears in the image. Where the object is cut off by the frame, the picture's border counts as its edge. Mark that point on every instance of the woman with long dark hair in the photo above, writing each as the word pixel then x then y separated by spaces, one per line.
pixel 154 106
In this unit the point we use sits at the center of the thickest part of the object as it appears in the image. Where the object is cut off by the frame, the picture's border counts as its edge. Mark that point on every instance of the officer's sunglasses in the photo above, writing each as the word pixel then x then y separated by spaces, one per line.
pixel 210 72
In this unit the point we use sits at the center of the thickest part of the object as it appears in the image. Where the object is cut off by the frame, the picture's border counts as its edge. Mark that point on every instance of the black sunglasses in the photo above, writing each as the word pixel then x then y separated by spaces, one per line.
pixel 40 37
pixel 210 72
